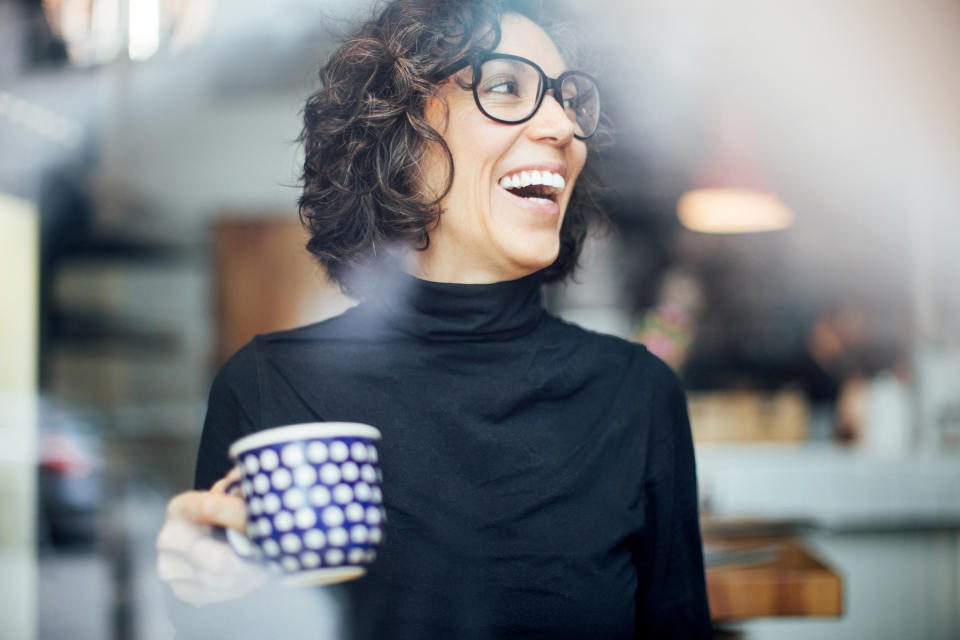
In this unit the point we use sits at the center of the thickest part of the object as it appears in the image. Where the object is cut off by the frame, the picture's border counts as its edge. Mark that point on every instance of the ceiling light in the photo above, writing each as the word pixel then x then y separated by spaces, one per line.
pixel 732 210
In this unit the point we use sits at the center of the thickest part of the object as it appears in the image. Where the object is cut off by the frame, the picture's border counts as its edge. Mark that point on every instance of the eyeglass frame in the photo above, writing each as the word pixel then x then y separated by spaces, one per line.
pixel 546 84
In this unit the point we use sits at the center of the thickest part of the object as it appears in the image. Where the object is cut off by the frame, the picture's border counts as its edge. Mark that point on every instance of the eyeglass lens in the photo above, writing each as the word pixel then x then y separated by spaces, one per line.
pixel 508 90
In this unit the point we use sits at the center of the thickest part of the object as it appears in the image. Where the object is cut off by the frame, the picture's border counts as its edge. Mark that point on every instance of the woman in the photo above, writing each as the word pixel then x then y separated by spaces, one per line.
pixel 539 478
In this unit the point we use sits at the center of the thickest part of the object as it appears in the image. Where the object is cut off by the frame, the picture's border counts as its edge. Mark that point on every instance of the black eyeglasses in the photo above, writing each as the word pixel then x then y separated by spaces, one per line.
pixel 510 89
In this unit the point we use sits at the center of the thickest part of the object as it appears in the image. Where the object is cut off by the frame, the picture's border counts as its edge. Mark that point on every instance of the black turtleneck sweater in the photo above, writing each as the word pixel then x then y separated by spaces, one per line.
pixel 539 479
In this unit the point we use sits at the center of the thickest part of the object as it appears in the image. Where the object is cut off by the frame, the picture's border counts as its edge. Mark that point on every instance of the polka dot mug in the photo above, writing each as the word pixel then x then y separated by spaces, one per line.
pixel 313 498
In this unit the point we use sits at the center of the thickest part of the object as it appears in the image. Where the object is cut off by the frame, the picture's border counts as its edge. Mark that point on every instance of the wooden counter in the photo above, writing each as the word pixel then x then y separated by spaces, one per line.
pixel 768 577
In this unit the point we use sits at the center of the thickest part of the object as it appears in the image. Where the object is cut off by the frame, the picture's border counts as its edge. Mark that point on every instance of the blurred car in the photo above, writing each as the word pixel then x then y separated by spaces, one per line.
pixel 69 487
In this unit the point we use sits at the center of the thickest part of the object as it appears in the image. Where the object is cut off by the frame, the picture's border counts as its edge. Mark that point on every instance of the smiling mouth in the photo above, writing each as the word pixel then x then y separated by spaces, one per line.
pixel 535 186
pixel 535 193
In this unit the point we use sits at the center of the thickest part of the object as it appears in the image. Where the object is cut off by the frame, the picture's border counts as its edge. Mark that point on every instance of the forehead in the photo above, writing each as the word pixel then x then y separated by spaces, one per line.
pixel 520 36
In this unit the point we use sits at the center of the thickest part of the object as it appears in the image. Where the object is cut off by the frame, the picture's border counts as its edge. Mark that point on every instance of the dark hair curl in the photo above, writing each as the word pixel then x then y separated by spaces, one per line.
pixel 365 134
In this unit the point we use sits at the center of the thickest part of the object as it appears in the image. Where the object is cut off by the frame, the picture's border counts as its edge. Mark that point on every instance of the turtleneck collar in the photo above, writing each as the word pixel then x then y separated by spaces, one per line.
pixel 445 311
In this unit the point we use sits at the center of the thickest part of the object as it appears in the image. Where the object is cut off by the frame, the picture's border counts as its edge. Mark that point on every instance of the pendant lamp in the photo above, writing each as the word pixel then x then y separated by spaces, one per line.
pixel 731 194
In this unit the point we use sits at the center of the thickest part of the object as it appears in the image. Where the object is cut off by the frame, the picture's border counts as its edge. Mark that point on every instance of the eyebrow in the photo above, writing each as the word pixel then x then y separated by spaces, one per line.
pixel 564 64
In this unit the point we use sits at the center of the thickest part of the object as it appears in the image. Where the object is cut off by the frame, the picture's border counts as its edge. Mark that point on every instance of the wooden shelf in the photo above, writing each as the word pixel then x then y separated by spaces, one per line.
pixel 783 578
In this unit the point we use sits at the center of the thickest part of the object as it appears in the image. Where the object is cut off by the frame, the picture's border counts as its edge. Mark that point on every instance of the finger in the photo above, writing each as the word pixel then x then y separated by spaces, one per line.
pixel 200 587
pixel 220 486
pixel 199 595
pixel 172 567
pixel 178 536
pixel 204 507
pixel 206 561
pixel 210 554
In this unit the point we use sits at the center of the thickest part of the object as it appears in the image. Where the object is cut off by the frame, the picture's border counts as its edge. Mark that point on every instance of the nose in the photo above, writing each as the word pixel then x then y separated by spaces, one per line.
pixel 551 122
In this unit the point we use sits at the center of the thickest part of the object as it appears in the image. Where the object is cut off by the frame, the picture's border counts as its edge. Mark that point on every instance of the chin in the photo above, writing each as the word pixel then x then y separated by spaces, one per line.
pixel 529 261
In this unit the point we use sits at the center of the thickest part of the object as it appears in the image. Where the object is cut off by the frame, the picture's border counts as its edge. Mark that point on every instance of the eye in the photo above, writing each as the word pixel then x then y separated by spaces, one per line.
pixel 504 85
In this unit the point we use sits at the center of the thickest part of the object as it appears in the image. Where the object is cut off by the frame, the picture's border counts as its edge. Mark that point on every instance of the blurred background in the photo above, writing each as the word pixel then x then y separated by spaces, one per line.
pixel 784 186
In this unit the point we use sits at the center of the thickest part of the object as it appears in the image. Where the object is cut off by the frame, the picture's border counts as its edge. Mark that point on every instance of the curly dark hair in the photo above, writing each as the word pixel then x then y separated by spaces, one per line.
pixel 365 134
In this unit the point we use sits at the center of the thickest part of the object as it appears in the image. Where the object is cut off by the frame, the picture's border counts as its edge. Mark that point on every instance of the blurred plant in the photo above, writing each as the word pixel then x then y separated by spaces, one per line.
pixel 668 328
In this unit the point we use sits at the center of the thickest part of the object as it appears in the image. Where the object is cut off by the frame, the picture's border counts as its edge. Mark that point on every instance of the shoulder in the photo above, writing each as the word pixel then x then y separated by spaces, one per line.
pixel 268 346
pixel 239 369
pixel 338 326
pixel 281 358
pixel 605 345
pixel 655 385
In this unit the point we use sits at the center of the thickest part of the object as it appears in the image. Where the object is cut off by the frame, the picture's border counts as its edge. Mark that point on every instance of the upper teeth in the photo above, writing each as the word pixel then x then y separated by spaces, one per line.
pixel 527 178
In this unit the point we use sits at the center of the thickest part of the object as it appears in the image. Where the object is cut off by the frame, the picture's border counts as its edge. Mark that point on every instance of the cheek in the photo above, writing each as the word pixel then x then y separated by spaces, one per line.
pixel 578 155
pixel 434 171
pixel 435 165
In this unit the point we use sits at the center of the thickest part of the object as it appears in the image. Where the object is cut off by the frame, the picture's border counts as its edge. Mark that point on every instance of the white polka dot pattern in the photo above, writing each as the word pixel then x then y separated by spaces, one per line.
pixel 269 460
pixel 292 455
pixel 265 527
pixel 310 559
pixel 362 491
pixel 290 543
pixel 342 493
pixel 338 451
pixel 337 536
pixel 270 547
pixel 304 475
pixel 354 512
pixel 314 539
pixel 293 498
pixel 330 474
pixel 283 521
pixel 319 496
pixel 305 518
pixel 313 504
pixel 280 479
pixel 317 452
pixel 271 503
pixel 359 534
pixel 355 556
pixel 350 471
pixel 357 451
pixel 332 516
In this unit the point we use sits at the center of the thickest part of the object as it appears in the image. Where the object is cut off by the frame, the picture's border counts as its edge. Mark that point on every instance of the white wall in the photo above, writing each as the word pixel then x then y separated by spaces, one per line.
pixel 18 374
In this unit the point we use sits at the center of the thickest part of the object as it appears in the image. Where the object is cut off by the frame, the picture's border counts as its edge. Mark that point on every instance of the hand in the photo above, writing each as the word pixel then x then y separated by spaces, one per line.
pixel 198 567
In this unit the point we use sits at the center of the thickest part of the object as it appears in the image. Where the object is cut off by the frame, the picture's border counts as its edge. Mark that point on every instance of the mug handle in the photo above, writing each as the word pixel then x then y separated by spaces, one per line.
pixel 240 543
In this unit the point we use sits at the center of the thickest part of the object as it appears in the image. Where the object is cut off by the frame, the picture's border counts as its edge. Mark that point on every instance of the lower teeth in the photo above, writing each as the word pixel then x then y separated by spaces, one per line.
pixel 541 200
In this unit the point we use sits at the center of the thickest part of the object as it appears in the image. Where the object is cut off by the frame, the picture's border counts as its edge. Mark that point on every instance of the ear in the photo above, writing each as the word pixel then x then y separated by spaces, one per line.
pixel 436 111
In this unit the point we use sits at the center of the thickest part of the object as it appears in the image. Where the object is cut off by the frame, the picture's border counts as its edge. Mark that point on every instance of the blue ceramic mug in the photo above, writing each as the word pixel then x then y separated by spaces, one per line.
pixel 313 498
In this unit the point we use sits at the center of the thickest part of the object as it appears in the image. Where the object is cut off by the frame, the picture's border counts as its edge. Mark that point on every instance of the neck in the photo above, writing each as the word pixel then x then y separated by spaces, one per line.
pixel 425 266
pixel 456 311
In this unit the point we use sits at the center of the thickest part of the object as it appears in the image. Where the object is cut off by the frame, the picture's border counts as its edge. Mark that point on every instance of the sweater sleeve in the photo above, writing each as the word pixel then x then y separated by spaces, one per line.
pixel 671 591
pixel 272 611
pixel 233 411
